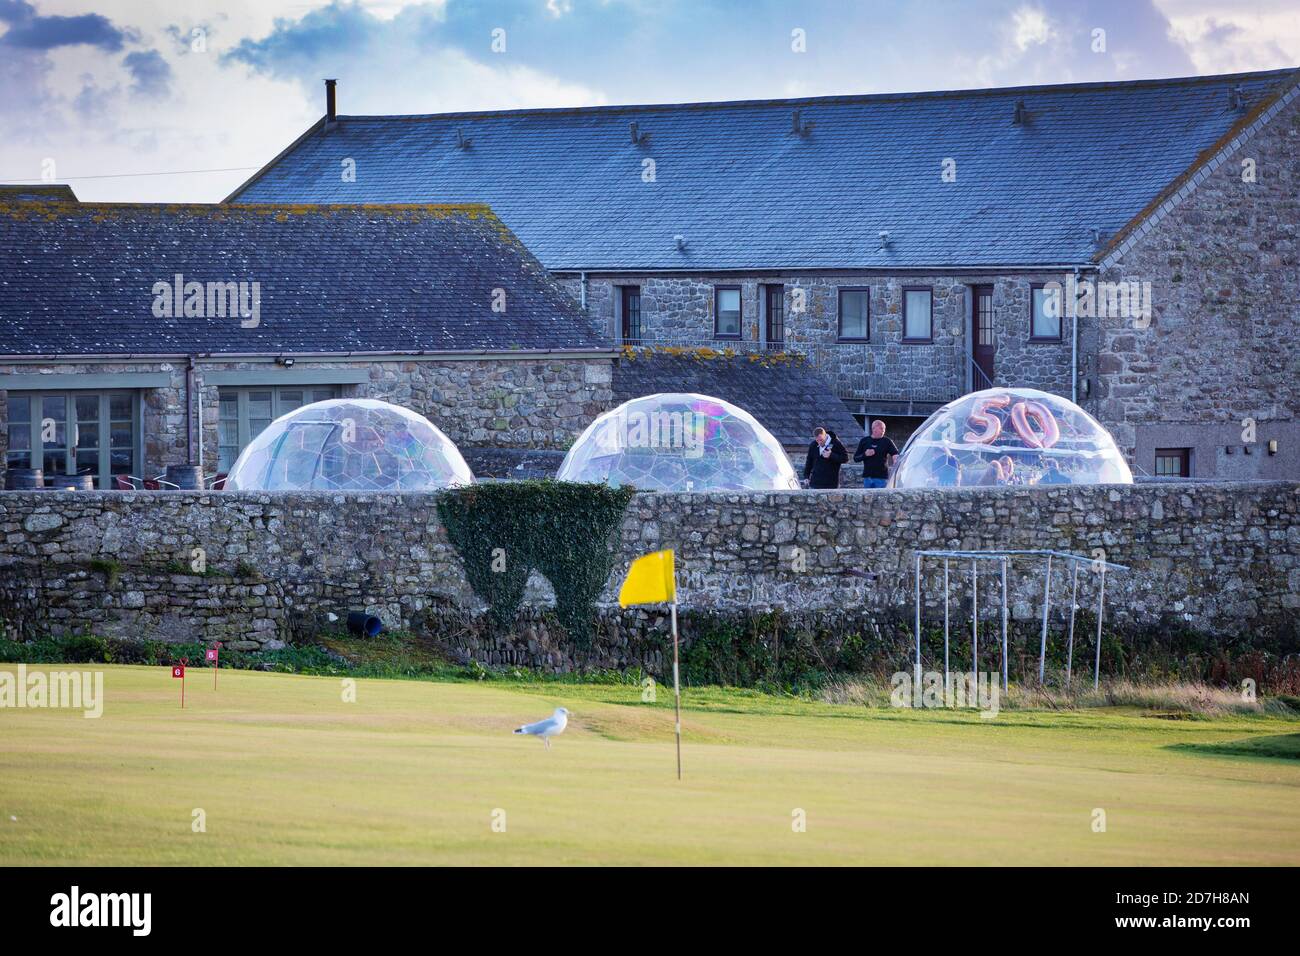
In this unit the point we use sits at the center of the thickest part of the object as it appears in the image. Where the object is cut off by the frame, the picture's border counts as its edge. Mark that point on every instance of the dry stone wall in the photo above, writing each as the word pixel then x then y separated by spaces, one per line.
pixel 1214 557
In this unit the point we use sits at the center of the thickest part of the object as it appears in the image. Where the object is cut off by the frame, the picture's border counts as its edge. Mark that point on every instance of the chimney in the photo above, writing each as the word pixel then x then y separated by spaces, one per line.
pixel 329 100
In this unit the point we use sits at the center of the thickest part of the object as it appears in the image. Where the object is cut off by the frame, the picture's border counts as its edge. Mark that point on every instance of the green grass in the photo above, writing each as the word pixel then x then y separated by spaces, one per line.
pixel 287 773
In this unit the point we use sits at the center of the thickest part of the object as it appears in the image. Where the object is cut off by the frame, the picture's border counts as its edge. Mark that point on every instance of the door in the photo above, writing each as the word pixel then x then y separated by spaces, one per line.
pixel 775 316
pixel 84 433
pixel 983 338
pixel 631 314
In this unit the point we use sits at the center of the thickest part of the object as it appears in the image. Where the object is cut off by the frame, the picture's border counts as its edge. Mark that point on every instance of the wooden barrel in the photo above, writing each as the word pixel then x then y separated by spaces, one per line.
pixel 24 479
pixel 70 483
pixel 184 477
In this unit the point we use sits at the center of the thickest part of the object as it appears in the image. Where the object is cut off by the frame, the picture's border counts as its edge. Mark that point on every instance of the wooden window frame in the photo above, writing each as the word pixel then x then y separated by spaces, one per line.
pixel 623 292
pixel 740 312
pixel 104 479
pixel 839 314
pixel 929 339
pixel 243 430
pixel 1185 462
pixel 768 289
pixel 1060 319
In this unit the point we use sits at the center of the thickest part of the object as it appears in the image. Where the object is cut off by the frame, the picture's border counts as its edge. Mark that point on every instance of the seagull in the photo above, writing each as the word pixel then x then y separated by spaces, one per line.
pixel 548 728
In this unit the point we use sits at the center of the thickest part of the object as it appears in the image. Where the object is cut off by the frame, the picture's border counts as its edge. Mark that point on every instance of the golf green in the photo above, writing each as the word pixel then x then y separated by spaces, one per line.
pixel 282 769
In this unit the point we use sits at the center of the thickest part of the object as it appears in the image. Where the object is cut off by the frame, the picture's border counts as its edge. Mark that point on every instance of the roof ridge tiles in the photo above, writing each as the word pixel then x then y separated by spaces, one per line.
pixel 476 208
pixel 845 98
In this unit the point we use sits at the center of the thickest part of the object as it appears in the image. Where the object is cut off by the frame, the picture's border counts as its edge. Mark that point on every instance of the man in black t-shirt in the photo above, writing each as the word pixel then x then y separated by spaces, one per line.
pixel 877 454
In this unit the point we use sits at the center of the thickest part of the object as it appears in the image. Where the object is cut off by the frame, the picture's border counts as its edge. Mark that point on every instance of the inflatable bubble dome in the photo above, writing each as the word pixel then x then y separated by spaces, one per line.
pixel 349 444
pixel 1010 436
pixel 679 442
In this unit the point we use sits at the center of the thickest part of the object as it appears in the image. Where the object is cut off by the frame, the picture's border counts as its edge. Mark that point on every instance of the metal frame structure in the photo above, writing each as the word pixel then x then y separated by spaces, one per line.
pixel 1004 557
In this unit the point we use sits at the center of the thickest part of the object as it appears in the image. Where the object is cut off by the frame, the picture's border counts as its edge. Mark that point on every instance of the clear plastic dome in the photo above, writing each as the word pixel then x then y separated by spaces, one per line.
pixel 679 442
pixel 349 444
pixel 1010 436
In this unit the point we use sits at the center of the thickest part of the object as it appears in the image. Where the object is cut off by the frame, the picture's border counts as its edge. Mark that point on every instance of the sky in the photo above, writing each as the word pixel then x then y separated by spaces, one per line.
pixel 168 100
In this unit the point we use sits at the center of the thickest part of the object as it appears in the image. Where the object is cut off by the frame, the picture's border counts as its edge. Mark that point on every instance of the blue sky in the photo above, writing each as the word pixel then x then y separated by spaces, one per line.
pixel 169 91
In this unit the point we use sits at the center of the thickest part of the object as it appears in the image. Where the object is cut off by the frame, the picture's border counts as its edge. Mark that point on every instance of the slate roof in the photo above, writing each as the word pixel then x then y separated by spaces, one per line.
pixel 79 279
pixel 787 396
pixel 746 192
pixel 54 192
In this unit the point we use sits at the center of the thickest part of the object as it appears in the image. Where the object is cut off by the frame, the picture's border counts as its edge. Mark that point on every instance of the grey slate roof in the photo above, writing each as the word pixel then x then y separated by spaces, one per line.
pixel 786 395
pixel 746 192
pixel 54 192
pixel 79 279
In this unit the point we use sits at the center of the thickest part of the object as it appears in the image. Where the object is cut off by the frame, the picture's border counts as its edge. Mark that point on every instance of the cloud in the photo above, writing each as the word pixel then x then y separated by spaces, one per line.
pixel 1221 37
pixel 413 61
pixel 73 82
pixel 151 75
pixel 92 100
pixel 1030 27
pixel 29 31
pixel 1070 41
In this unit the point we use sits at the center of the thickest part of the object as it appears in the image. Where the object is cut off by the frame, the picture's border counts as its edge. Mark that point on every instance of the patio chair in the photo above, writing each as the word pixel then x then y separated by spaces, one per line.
pixel 133 483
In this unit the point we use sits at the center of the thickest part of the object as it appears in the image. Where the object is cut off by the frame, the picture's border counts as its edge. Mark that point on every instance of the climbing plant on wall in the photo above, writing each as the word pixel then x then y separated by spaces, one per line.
pixel 568 532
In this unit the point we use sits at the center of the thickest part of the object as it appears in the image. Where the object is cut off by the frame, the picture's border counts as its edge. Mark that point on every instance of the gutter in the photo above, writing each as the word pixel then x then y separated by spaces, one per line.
pixel 622 272
pixel 452 355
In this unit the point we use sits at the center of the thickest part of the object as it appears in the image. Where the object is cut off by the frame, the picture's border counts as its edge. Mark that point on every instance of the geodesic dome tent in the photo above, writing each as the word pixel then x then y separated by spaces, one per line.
pixel 679 441
pixel 1010 436
pixel 349 444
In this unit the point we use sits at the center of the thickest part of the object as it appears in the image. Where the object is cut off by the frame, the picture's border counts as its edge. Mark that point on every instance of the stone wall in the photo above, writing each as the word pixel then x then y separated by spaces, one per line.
pixel 1219 558
pixel 680 309
pixel 524 403
pixel 1223 347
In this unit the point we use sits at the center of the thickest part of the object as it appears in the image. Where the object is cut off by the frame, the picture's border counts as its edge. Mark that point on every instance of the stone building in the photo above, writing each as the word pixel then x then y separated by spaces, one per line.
pixel 911 247
pixel 133 337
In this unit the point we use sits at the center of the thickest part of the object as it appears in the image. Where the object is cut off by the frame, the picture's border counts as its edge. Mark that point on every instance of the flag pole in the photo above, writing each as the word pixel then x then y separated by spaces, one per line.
pixel 677 689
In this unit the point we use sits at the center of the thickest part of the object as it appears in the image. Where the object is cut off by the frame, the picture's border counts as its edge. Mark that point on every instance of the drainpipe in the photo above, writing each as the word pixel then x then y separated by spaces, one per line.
pixel 582 290
pixel 1074 344
pixel 194 416
pixel 189 411
pixel 198 423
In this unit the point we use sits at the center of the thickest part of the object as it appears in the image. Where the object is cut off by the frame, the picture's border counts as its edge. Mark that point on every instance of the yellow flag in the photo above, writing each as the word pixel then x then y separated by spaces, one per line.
pixel 650 580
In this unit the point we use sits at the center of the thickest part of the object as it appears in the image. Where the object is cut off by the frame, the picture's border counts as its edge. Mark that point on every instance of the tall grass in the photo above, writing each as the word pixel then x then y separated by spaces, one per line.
pixel 1171 697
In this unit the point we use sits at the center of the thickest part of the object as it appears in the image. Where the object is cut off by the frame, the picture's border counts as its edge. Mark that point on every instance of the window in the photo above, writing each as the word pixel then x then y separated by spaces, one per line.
pixel 985 335
pixel 65 433
pixel 242 413
pixel 726 312
pixel 1045 304
pixel 631 313
pixel 918 321
pixel 775 296
pixel 854 314
pixel 1173 463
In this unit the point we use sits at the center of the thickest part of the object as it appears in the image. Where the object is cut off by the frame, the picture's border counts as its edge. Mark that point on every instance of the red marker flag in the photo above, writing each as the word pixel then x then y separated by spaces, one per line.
pixel 212 654
pixel 178 670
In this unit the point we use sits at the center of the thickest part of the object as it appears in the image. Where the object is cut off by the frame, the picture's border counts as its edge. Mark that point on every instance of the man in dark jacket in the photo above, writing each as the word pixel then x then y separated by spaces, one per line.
pixel 825 455
pixel 877 454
